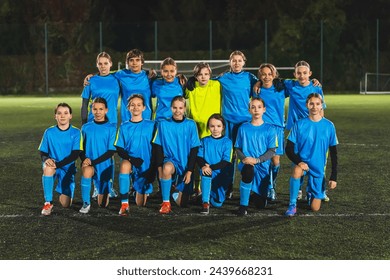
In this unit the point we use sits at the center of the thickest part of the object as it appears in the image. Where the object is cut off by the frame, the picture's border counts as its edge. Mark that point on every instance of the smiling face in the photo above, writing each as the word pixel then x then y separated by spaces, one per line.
pixel 169 72
pixel 135 64
pixel 302 74
pixel 178 110
pixel 266 76
pixel 63 116
pixel 216 127
pixel 136 107
pixel 99 111
pixel 237 63
pixel 314 104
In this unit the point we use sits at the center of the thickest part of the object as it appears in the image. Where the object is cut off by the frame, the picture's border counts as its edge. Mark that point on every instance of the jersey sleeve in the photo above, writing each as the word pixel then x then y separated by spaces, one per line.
pixel 43 146
pixel 77 141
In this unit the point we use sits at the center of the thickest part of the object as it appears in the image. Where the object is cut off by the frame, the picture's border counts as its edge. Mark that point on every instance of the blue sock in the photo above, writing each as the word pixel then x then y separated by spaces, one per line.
pixel 48 184
pixel 275 171
pixel 86 189
pixel 295 184
pixel 165 189
pixel 245 191
pixel 124 186
pixel 205 184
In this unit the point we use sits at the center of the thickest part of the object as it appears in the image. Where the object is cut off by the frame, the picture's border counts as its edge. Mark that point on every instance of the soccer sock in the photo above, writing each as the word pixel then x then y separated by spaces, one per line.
pixel 124 187
pixel 301 181
pixel 48 184
pixel 275 171
pixel 205 183
pixel 295 183
pixel 165 189
pixel 245 191
pixel 86 189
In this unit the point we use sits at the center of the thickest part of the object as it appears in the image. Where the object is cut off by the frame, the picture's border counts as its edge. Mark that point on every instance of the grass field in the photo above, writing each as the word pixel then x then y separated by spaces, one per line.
pixel 354 225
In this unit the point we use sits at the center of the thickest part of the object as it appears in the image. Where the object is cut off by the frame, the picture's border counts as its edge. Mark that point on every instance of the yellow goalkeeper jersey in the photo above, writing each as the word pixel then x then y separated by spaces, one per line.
pixel 203 102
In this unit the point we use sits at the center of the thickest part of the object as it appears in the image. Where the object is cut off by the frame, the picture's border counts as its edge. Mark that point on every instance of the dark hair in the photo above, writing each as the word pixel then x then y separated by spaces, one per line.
pixel 179 98
pixel 100 100
pixel 63 105
pixel 135 95
pixel 135 53
pixel 198 67
pixel 219 117
pixel 314 94
pixel 258 99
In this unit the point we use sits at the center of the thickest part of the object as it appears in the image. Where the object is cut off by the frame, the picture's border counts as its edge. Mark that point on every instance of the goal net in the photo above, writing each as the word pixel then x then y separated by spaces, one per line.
pixel 375 83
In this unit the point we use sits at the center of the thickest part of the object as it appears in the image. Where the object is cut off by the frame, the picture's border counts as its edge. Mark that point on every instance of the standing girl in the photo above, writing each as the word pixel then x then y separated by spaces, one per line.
pixel 134 145
pixel 176 143
pixel 59 148
pixel 255 146
pixel 97 157
pixel 166 89
pixel 214 156
pixel 275 99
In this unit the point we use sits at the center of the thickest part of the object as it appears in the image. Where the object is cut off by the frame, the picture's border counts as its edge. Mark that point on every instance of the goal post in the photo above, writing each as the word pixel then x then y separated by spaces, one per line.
pixel 375 83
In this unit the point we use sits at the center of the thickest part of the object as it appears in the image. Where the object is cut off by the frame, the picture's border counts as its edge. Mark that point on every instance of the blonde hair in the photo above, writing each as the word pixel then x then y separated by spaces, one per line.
pixel 302 63
pixel 271 67
pixel 103 54
pixel 168 61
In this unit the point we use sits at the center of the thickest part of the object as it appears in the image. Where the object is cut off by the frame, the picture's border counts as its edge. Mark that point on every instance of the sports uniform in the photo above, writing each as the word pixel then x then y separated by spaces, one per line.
pixel 106 87
pixel 203 102
pixel 258 142
pixel 164 92
pixel 135 140
pixel 132 83
pixel 178 141
pixel 99 147
pixel 217 152
pixel 63 146
pixel 312 141
pixel 297 104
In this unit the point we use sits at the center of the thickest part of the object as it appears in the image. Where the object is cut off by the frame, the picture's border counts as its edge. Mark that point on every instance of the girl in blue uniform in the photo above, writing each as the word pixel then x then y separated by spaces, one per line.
pixel 214 156
pixel 103 85
pixel 166 88
pixel 255 146
pixel 134 146
pixel 274 98
pixel 97 163
pixel 308 144
pixel 59 148
pixel 176 143
pixel 236 93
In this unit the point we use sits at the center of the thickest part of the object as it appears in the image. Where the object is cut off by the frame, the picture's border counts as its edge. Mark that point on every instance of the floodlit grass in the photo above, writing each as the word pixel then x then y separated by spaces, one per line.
pixel 353 225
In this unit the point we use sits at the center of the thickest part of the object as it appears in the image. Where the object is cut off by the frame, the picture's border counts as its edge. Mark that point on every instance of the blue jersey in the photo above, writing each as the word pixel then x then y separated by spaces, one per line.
pixel 59 144
pixel 213 150
pixel 98 139
pixel 274 102
pixel 106 87
pixel 312 141
pixel 236 94
pixel 177 139
pixel 297 104
pixel 132 83
pixel 136 139
pixel 165 92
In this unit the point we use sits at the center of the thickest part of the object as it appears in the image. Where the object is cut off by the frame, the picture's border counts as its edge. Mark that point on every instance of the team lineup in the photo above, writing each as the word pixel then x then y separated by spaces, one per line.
pixel 200 132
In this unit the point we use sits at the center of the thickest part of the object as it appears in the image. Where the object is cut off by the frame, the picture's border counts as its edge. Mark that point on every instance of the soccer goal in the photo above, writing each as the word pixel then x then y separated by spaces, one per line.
pixel 375 83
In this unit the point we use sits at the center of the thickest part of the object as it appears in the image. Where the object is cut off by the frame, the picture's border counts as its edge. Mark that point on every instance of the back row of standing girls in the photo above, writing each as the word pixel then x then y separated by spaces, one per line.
pixel 204 100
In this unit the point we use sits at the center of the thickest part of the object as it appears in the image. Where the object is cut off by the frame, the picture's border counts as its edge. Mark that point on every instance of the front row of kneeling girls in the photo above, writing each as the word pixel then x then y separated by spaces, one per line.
pixel 171 148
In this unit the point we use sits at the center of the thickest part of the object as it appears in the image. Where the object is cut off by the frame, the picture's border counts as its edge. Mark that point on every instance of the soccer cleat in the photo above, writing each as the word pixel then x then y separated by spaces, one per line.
pixel 113 193
pixel 165 208
pixel 299 197
pixel 95 193
pixel 242 211
pixel 291 211
pixel 47 209
pixel 85 209
pixel 326 198
pixel 271 196
pixel 205 209
pixel 124 211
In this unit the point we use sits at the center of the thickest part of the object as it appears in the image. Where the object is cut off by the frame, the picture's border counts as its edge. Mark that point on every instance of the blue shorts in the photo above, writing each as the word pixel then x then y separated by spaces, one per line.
pixel 315 185
pixel 65 180
pixel 220 182
pixel 261 180
pixel 103 177
pixel 280 135
pixel 139 182
pixel 177 180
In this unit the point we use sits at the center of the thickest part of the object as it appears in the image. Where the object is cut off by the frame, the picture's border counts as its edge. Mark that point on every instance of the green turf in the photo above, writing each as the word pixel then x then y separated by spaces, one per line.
pixel 353 225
